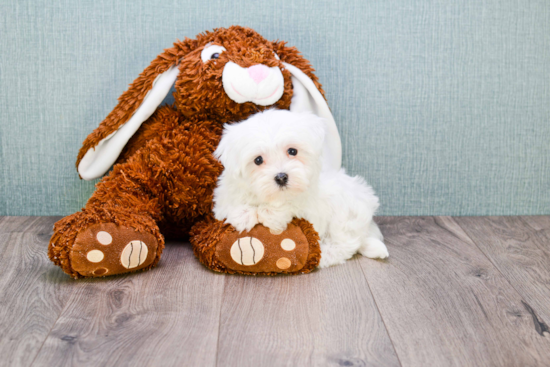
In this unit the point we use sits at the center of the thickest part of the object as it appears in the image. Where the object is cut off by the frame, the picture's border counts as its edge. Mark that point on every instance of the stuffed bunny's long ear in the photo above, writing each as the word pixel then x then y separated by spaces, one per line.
pixel 306 97
pixel 100 158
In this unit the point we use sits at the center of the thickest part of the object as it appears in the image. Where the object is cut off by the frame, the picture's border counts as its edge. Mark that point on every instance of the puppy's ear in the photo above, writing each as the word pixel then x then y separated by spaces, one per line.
pixel 222 151
pixel 308 96
pixel 314 130
pixel 103 146
pixel 229 151
pixel 319 132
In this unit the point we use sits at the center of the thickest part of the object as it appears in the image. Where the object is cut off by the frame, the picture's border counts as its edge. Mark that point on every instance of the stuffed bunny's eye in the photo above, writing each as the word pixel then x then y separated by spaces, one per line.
pixel 211 52
pixel 258 160
pixel 292 151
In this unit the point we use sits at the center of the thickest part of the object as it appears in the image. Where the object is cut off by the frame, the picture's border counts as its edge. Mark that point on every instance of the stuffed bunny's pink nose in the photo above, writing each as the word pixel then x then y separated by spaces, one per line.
pixel 258 72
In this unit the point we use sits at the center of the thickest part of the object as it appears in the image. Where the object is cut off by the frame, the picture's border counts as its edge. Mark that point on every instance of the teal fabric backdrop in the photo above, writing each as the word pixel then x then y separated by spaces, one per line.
pixel 444 106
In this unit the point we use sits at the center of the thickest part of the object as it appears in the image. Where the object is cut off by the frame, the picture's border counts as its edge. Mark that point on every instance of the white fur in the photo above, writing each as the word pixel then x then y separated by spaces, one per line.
pixel 340 207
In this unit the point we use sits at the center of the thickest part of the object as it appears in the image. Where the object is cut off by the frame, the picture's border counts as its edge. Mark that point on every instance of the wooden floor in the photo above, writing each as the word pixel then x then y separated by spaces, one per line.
pixel 467 291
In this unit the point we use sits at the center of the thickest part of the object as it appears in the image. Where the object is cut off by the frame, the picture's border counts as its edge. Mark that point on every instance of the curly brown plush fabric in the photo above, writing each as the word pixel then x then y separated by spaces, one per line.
pixel 166 174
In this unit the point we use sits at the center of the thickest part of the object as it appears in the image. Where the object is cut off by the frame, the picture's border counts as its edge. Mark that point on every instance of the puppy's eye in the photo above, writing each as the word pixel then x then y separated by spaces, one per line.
pixel 211 52
pixel 259 160
pixel 292 151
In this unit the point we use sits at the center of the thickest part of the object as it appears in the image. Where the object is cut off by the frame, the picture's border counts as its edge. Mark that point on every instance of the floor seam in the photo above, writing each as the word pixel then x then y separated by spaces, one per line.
pixel 219 321
pixel 50 331
pixel 380 314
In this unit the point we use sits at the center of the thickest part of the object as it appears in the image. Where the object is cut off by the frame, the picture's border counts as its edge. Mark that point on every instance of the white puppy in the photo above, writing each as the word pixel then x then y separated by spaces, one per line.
pixel 273 173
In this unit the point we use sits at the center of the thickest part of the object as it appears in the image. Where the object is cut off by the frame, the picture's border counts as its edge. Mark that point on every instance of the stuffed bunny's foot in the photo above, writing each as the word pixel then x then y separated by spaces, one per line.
pixel 96 243
pixel 259 251
pixel 107 249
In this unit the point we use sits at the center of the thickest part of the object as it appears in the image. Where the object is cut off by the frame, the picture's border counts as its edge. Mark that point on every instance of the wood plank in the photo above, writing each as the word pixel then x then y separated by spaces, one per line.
pixel 445 304
pixel 327 317
pixel 164 317
pixel 33 291
pixel 520 248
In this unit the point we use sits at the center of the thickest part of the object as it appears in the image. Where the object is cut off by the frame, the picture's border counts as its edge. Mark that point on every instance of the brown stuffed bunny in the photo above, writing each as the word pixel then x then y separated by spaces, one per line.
pixel 164 173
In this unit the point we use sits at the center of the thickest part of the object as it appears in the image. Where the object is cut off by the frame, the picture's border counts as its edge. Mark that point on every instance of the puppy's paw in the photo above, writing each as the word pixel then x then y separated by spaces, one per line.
pixel 275 227
pixel 243 218
pixel 374 249
pixel 275 220
pixel 330 257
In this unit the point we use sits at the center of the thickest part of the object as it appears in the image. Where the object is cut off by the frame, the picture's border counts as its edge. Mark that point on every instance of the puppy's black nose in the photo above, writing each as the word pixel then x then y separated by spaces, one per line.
pixel 281 179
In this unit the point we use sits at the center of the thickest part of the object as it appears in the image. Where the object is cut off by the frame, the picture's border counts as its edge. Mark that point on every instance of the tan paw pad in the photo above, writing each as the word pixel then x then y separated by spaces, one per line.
pixel 247 251
pixel 288 245
pixel 100 271
pixel 134 254
pixel 95 256
pixel 283 263
pixel 104 238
